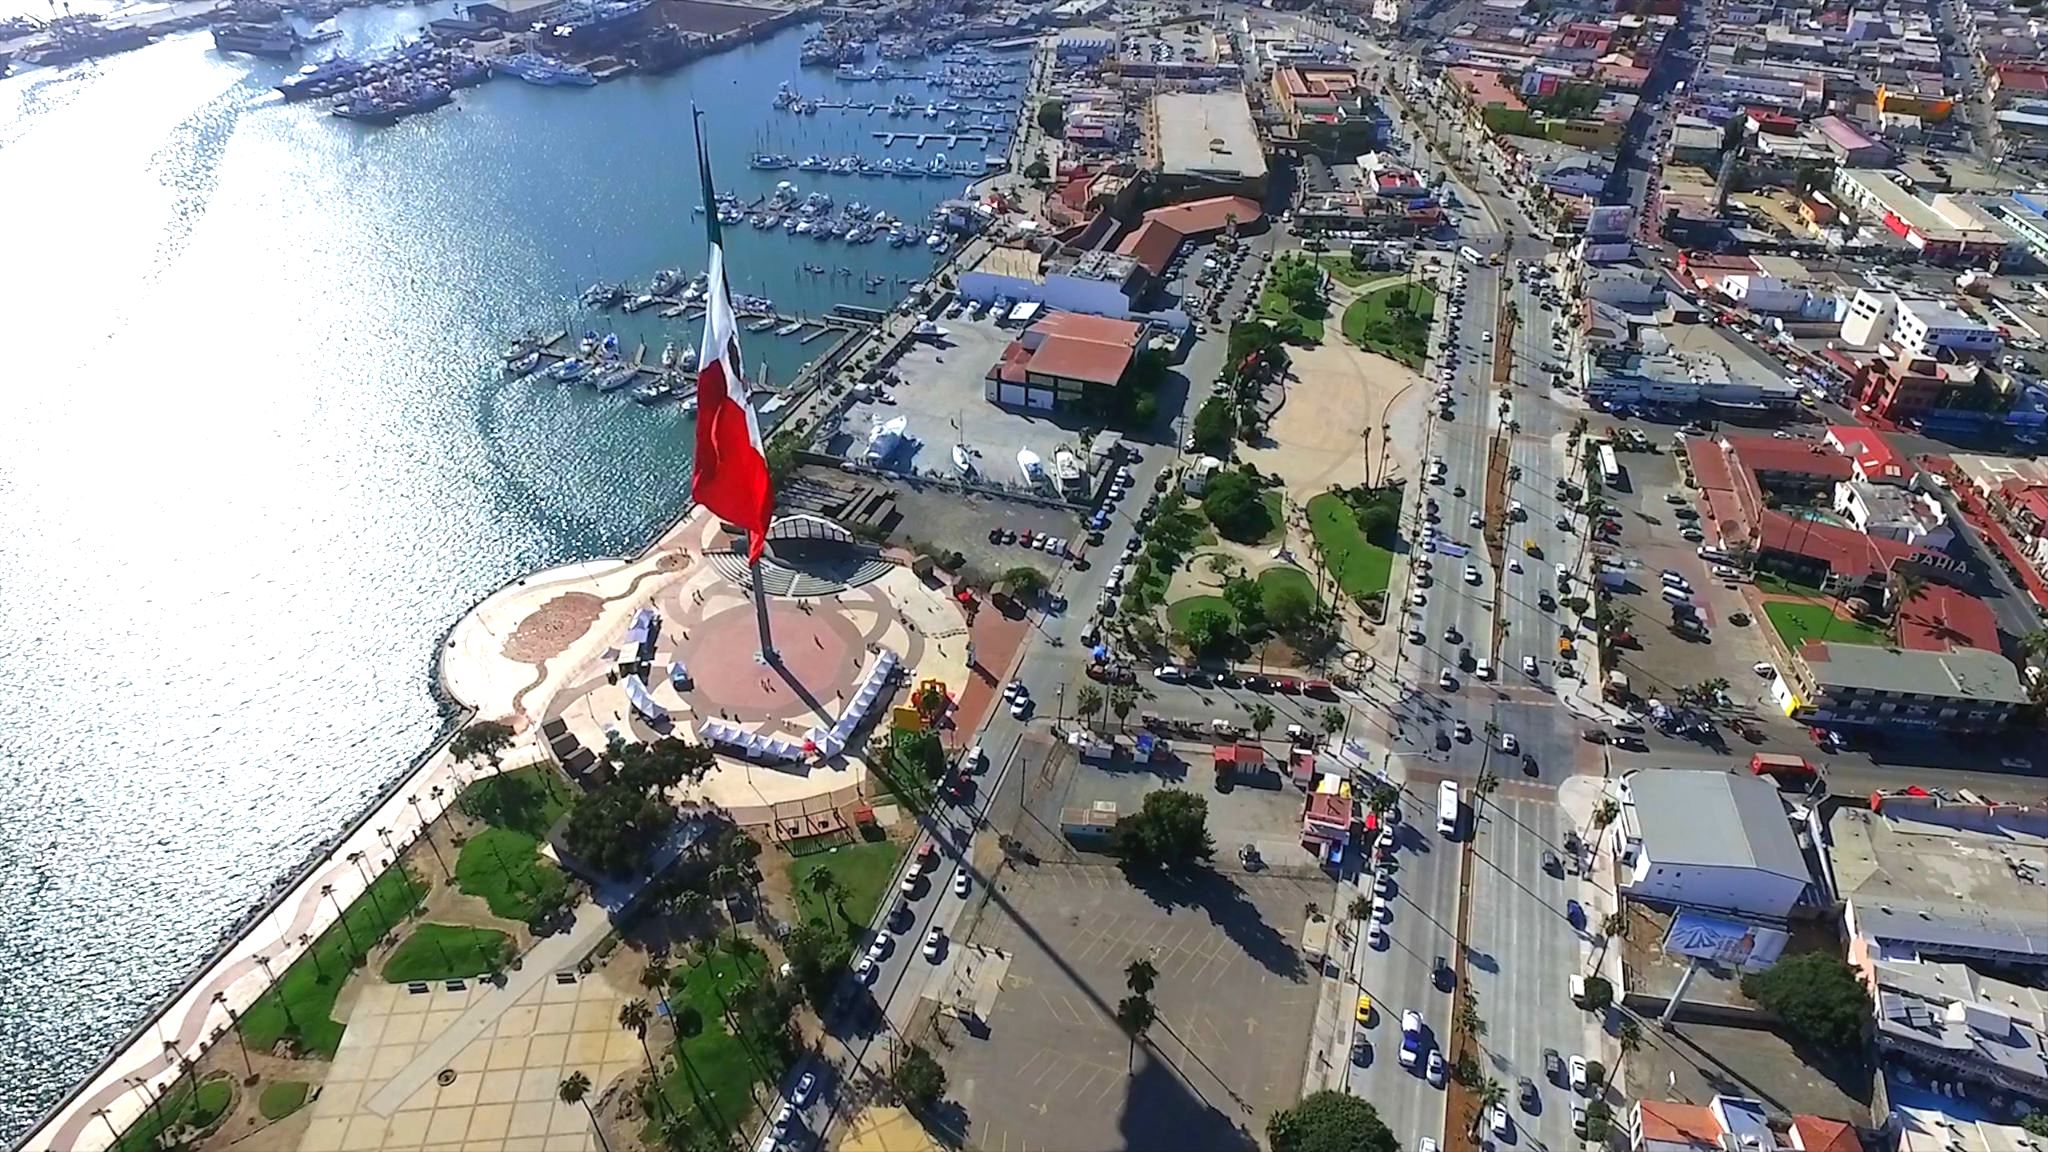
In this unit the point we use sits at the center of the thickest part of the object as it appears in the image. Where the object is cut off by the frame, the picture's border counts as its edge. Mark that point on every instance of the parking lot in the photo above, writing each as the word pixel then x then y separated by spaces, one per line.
pixel 1234 997
pixel 944 398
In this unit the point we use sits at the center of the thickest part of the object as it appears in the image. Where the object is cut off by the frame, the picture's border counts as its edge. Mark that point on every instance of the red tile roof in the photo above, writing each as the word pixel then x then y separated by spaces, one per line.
pixel 1152 245
pixel 2022 496
pixel 2019 81
pixel 1094 349
pixel 1326 808
pixel 1764 454
pixel 1941 619
pixel 1873 455
pixel 1819 1134
pixel 1680 1123
pixel 1198 216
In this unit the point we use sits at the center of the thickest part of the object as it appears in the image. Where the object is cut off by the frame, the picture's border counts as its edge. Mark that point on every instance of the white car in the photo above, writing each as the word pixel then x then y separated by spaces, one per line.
pixel 878 948
pixel 1377 937
pixel 960 883
pixel 1444 681
pixel 1764 670
pixel 1497 1119
pixel 1476 520
pixel 1508 743
pixel 1435 1069
pixel 1427 1144
pixel 1014 689
pixel 1418 598
pixel 1415 636
pixel 933 941
pixel 1578 1067
pixel 1471 574
pixel 1528 665
pixel 1514 563
pixel 1020 707
pixel 1169 673
pixel 864 970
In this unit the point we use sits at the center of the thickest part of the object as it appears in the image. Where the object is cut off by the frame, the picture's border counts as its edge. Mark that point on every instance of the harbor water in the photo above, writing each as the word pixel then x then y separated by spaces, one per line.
pixel 257 455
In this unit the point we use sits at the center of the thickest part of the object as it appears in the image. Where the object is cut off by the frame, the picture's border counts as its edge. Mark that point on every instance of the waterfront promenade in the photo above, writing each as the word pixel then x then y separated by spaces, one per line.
pixel 538 650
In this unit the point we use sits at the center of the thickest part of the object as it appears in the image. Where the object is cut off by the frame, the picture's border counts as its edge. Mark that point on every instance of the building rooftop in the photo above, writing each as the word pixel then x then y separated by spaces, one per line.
pixel 1944 878
pixel 1941 619
pixel 1095 349
pixel 1152 245
pixel 1211 215
pixel 1963 674
pixel 1713 819
pixel 1870 452
pixel 1207 134
pixel 1765 454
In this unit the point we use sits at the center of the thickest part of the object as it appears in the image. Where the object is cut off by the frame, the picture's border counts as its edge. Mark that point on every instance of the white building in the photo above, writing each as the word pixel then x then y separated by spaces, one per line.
pixel 1924 327
pixel 1869 321
pixel 1894 513
pixel 1707 840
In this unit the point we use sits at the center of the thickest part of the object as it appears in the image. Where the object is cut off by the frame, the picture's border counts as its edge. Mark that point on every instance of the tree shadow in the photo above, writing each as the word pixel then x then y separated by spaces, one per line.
pixel 1228 908
pixel 1158 1099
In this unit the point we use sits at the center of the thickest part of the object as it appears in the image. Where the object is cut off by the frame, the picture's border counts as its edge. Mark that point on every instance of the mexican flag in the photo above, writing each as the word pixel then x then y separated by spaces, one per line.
pixel 732 464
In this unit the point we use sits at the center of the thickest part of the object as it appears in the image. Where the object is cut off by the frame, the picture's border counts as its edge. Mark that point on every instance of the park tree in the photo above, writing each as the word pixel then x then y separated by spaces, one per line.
pixel 1330 1121
pixel 1235 504
pixel 1052 117
pixel 1038 169
pixel 1215 425
pixel 1024 583
pixel 1208 630
pixel 1245 600
pixel 485 738
pixel 613 828
pixel 1170 830
pixel 1088 700
pixel 1599 994
pixel 1289 607
pixel 919 1079
pixel 817 956
pixel 1817 995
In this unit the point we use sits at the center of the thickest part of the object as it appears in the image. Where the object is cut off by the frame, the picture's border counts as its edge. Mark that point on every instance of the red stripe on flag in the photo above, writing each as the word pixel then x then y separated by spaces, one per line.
pixel 731 474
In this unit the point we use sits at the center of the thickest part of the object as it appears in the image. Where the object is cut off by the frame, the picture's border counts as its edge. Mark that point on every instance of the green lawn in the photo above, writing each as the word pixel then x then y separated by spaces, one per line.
pixel 1772 582
pixel 184 1104
pixel 1282 575
pixel 528 800
pixel 717 1073
pixel 863 872
pixel 1275 306
pixel 1342 270
pixel 446 952
pixel 504 867
pixel 1361 567
pixel 1798 623
pixel 302 1001
pixel 1376 322
pixel 281 1098
pixel 1181 611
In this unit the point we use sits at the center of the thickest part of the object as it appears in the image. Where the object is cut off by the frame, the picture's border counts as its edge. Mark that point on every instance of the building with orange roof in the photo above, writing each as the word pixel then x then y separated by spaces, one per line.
pixel 1326 107
pixel 1064 360
pixel 1731 1124
pixel 1159 236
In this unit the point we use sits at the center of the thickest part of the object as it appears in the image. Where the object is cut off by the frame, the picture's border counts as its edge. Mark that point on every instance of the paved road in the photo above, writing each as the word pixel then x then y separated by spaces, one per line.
pixel 1396 971
pixel 1522 947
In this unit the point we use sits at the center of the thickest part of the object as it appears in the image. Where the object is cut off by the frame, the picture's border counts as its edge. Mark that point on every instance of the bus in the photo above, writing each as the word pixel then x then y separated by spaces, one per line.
pixel 1610 469
pixel 1447 808
pixel 1470 254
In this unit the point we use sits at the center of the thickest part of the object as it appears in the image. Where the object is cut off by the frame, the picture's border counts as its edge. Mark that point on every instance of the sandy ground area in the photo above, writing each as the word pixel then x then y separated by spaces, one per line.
pixel 1351 416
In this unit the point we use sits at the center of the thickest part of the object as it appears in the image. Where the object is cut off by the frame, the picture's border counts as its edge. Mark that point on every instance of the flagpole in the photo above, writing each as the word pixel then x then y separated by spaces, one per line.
pixel 766 656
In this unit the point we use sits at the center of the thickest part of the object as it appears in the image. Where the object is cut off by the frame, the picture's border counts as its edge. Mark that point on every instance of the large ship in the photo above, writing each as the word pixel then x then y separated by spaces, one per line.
pixel 323 79
pixel 547 72
pixel 373 106
pixel 71 43
pixel 277 41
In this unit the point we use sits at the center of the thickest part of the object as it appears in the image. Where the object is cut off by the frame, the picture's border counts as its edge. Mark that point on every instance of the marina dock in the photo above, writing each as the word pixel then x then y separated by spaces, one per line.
pixel 952 139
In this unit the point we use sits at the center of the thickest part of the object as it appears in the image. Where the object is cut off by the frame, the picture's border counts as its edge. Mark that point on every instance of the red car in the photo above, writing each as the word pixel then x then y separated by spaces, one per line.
pixel 1287 684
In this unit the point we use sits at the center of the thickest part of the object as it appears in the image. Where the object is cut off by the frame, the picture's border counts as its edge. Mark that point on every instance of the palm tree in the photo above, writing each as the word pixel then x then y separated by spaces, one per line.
pixel 633 1017
pixel 1631 1040
pixel 1261 718
pixel 1134 1015
pixel 1141 977
pixel 1359 908
pixel 1605 813
pixel 1491 1094
pixel 827 887
pixel 1121 701
pixel 655 978
pixel 1468 1015
pixel 1333 720
pixel 1088 700
pixel 1904 587
pixel 575 1089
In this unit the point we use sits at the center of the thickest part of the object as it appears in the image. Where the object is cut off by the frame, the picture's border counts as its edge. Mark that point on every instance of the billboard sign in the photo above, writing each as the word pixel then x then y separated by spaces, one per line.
pixel 1724 940
pixel 1609 221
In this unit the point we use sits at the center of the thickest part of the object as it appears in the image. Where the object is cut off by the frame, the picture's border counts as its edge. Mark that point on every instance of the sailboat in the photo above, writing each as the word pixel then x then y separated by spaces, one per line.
pixel 962 460
pixel 1032 467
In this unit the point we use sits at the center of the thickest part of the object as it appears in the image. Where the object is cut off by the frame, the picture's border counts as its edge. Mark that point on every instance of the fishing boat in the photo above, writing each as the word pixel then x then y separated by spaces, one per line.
pixel 668 356
pixel 884 438
pixel 524 365
pixel 689 405
pixel 544 71
pixel 761 325
pixel 775 403
pixel 588 344
pixel 651 393
pixel 666 281
pixel 641 301
pixel 790 329
pixel 321 34
pixel 568 370
pixel 1032 467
